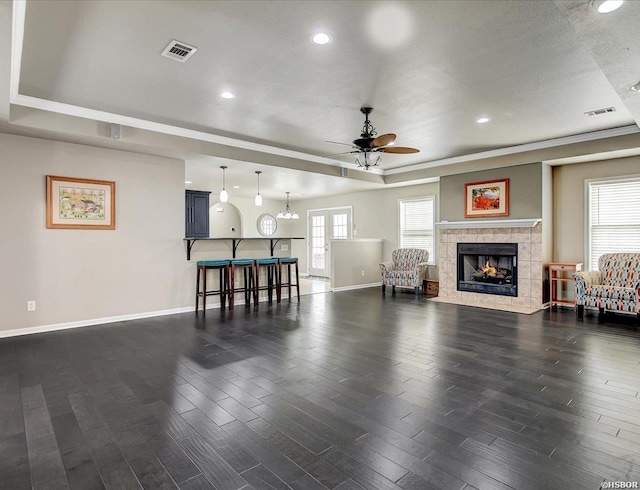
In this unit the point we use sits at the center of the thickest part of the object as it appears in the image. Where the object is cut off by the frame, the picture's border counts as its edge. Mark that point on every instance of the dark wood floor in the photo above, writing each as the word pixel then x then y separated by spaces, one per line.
pixel 348 390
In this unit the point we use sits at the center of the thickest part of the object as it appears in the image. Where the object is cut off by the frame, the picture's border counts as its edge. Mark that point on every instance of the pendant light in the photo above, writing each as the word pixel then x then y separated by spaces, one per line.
pixel 258 199
pixel 287 213
pixel 224 195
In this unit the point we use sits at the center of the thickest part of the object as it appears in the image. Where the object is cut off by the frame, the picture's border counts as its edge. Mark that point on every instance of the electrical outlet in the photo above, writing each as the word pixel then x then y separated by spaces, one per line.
pixel 31 306
pixel 284 247
pixel 362 273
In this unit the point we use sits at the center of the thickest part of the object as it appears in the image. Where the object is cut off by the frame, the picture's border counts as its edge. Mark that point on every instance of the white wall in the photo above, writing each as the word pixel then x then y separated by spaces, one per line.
pixel 375 215
pixel 79 275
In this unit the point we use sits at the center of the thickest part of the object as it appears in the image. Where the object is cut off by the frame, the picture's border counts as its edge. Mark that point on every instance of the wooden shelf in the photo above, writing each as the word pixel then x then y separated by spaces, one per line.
pixel 558 275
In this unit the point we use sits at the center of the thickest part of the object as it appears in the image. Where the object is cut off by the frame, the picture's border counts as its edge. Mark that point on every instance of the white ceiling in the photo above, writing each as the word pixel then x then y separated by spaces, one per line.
pixel 429 69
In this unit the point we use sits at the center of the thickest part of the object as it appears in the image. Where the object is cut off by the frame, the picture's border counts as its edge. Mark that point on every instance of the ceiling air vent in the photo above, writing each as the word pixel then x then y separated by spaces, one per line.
pixel 597 112
pixel 179 51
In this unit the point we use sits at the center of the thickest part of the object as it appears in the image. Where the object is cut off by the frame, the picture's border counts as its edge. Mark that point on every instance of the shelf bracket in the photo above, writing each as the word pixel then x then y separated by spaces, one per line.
pixel 274 242
pixel 235 243
pixel 190 243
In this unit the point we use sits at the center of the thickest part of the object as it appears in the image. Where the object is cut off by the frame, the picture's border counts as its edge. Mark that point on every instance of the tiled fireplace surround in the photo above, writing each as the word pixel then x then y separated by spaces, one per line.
pixel 530 280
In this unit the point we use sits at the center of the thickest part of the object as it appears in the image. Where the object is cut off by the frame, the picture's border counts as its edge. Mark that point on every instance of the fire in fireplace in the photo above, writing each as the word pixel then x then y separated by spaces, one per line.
pixel 489 268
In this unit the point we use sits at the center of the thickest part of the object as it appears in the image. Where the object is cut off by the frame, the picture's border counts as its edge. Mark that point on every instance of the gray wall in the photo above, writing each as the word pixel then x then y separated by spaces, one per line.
pixel 525 191
pixel 79 275
pixel 355 262
pixel 569 202
pixel 375 215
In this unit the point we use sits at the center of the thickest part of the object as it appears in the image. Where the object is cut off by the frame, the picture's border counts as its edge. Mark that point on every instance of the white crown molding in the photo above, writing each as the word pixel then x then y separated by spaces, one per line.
pixel 18 22
pixel 511 150
pixel 19 14
pixel 490 223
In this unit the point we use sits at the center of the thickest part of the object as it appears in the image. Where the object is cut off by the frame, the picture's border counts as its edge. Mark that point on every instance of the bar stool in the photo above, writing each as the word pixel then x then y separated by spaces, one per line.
pixel 289 261
pixel 273 279
pixel 247 267
pixel 222 266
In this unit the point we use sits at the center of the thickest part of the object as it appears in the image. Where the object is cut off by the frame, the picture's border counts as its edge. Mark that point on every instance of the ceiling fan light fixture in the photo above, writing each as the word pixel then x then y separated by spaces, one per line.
pixel 321 38
pixel 636 87
pixel 607 6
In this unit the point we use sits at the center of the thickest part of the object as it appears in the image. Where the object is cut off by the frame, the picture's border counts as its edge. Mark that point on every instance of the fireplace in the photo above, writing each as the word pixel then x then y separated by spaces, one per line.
pixel 489 268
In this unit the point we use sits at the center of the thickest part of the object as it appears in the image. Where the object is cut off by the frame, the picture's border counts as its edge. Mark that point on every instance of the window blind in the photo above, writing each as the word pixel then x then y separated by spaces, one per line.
pixel 614 218
pixel 417 217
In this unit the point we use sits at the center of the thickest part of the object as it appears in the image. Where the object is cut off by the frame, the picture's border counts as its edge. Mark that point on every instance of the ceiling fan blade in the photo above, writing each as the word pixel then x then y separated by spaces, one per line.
pixel 399 149
pixel 338 143
pixel 383 139
pixel 337 154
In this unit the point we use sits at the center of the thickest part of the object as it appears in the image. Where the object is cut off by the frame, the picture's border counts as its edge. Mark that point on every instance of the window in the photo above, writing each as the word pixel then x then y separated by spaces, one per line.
pixel 340 226
pixel 267 225
pixel 417 217
pixel 613 218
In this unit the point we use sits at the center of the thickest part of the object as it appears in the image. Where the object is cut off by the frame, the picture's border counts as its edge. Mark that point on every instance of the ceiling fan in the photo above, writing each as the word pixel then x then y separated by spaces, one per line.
pixel 368 147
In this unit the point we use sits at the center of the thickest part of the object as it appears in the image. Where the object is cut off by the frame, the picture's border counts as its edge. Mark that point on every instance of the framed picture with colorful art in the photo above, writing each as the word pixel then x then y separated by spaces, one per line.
pixel 486 199
pixel 84 204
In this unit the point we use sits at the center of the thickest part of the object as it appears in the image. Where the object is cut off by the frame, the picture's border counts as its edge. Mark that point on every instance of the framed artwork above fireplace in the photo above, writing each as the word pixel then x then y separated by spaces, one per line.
pixel 486 199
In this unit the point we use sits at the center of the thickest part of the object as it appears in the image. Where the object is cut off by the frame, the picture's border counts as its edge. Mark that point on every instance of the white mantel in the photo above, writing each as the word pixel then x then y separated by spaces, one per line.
pixel 490 223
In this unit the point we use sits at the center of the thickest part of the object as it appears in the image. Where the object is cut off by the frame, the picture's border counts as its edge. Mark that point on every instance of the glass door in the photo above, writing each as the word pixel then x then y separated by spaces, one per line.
pixel 318 243
pixel 326 225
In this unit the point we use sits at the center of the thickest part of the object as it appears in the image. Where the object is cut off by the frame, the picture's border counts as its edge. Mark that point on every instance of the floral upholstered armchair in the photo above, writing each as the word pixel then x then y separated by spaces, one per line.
pixel 615 286
pixel 407 268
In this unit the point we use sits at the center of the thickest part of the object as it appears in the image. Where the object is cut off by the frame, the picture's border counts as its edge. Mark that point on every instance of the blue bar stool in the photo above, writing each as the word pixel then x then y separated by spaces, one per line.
pixel 273 279
pixel 247 266
pixel 288 262
pixel 222 266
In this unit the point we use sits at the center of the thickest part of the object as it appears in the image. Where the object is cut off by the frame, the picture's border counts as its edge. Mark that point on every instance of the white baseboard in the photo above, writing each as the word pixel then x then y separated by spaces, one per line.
pixel 357 286
pixel 93 321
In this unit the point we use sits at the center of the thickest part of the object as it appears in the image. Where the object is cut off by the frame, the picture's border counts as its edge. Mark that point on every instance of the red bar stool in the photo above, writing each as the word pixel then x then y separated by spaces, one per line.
pixel 288 262
pixel 222 266
pixel 273 279
pixel 247 266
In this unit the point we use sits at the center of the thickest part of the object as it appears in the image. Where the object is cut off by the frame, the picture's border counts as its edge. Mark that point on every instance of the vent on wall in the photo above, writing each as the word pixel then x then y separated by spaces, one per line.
pixel 597 112
pixel 179 51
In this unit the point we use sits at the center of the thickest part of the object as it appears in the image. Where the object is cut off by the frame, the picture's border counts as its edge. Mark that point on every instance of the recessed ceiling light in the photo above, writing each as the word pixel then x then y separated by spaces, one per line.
pixel 236 187
pixel 606 6
pixel 321 38
pixel 227 95
pixel 482 120
pixel 188 182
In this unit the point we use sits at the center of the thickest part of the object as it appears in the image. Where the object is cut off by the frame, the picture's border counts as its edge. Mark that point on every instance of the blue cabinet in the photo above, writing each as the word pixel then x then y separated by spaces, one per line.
pixel 197 214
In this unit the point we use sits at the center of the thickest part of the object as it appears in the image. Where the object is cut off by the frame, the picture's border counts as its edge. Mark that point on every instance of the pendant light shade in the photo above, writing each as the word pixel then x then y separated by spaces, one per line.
pixel 287 213
pixel 224 195
pixel 258 199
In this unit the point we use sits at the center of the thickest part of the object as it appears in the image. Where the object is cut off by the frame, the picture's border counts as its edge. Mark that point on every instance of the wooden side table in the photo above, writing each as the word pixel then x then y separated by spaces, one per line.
pixel 431 287
pixel 559 273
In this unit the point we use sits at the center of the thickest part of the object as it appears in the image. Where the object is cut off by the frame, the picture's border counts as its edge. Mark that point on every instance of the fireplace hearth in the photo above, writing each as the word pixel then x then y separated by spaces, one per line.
pixel 489 268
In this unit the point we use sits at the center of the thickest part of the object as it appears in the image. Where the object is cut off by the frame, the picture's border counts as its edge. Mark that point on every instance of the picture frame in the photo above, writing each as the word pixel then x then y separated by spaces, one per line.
pixel 489 198
pixel 80 204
